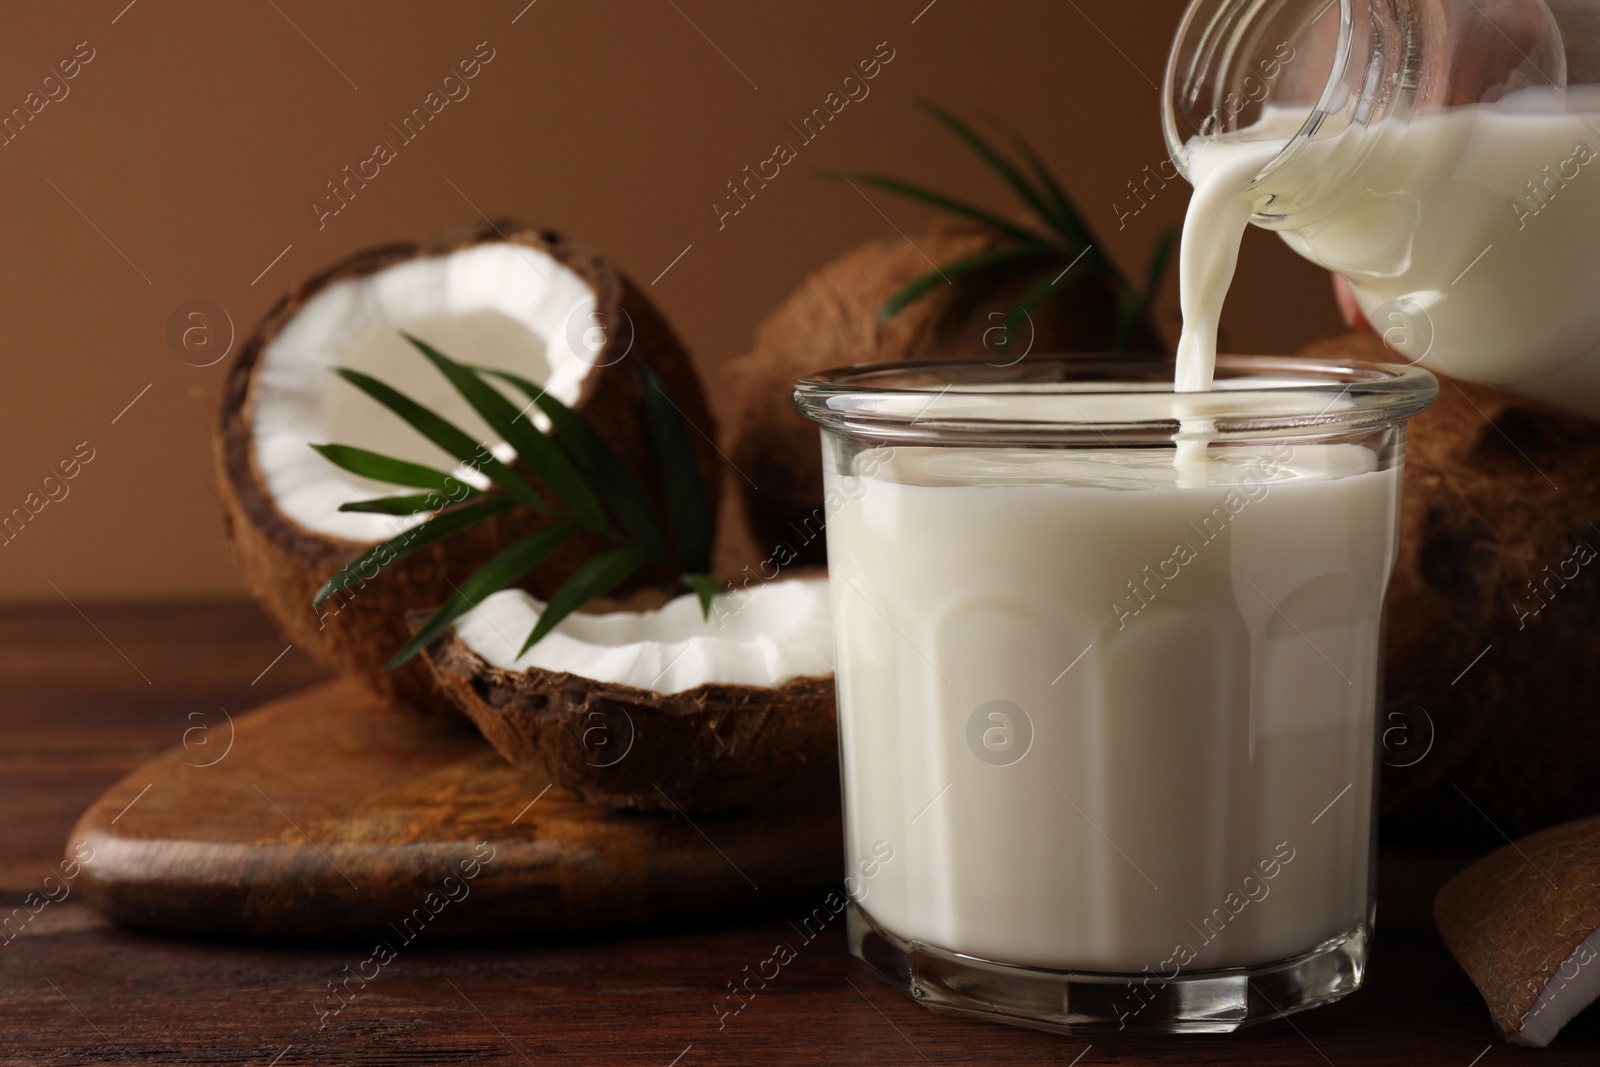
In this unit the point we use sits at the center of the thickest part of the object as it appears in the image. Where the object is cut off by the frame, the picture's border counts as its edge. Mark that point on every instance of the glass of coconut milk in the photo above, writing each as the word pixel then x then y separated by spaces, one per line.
pixel 1108 661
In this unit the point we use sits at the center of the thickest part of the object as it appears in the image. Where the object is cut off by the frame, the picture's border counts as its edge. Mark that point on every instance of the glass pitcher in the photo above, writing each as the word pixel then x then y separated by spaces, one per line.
pixel 1442 155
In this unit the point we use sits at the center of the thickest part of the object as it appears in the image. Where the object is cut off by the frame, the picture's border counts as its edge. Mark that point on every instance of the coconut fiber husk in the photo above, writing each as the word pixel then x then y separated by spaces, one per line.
pixel 1493 614
pixel 1517 921
pixel 832 320
pixel 358 632
pixel 704 749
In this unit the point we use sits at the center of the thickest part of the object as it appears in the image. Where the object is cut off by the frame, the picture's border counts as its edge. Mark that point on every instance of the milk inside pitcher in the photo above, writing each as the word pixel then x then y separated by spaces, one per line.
pixel 1442 155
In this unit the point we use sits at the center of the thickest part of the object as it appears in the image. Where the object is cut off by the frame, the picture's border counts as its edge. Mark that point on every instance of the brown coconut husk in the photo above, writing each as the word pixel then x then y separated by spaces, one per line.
pixel 832 320
pixel 1496 489
pixel 359 631
pixel 1517 921
pixel 705 749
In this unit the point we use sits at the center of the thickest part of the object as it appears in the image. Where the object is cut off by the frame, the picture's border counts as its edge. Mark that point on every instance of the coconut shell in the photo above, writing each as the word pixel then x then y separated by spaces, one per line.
pixel 1496 489
pixel 284 564
pixel 832 321
pixel 1516 917
pixel 705 749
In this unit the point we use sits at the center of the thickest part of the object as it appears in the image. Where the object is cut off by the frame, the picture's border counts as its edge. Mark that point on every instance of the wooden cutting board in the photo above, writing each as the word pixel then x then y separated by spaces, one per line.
pixel 331 816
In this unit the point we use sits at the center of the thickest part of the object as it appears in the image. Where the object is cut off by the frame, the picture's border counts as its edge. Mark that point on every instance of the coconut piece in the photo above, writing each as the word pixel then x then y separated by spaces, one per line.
pixel 832 320
pixel 654 709
pixel 503 294
pixel 1499 493
pixel 1524 923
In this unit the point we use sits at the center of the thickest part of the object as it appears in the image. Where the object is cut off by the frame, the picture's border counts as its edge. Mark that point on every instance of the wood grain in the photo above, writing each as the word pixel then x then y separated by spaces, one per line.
pixel 75 989
pixel 331 815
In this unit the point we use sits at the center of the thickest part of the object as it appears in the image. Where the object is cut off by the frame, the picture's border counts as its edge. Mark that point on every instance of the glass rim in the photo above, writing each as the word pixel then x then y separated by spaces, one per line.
pixel 1096 396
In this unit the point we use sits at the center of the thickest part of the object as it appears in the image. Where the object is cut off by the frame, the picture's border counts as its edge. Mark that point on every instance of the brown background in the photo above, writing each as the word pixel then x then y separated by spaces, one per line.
pixel 196 138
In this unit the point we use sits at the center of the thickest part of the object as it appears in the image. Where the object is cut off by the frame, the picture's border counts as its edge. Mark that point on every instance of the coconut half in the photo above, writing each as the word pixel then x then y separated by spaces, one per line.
pixel 655 709
pixel 1524 923
pixel 503 295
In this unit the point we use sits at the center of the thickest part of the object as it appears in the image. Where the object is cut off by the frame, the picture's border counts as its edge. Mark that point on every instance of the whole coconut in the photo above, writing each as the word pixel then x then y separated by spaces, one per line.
pixel 833 320
pixel 1493 654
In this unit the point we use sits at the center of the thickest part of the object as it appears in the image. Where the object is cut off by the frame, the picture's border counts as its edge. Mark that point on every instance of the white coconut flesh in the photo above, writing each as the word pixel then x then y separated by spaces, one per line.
pixel 761 636
pixel 496 304
pixel 1574 986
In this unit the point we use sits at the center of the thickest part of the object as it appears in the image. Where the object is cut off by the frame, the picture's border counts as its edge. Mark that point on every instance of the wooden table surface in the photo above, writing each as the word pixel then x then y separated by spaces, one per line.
pixel 85 697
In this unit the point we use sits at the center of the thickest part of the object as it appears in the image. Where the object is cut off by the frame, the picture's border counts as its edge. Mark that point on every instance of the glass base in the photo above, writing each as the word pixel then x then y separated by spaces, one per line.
pixel 1065 1002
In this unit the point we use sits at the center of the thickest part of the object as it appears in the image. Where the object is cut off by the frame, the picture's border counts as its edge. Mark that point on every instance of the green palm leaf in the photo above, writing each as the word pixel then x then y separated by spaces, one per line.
pixel 594 457
pixel 438 528
pixel 538 452
pixel 387 469
pixel 597 577
pixel 1065 231
pixel 705 587
pixel 576 464
pixel 1079 229
pixel 492 577
pixel 1012 177
pixel 912 191
pixel 446 435
pixel 684 486
pixel 1036 294
pixel 961 268
pixel 411 504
